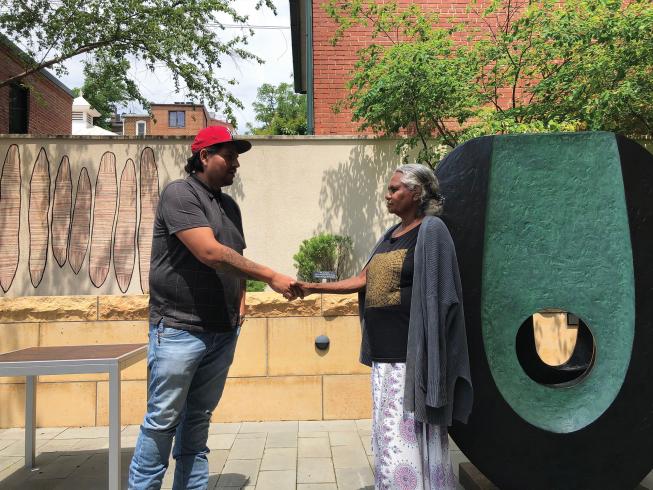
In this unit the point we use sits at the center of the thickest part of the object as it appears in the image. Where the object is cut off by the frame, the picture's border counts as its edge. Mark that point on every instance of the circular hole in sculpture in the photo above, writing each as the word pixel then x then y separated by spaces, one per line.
pixel 555 348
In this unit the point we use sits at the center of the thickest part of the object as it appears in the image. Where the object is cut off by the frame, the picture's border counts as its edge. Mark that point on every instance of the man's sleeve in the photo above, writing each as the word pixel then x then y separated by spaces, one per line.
pixel 181 208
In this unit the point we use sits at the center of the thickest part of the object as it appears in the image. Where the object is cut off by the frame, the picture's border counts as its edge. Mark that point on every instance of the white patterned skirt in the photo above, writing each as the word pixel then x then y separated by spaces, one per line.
pixel 408 455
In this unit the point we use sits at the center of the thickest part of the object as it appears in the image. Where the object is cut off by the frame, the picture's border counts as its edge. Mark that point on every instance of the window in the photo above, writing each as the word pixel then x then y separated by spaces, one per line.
pixel 18 109
pixel 176 119
pixel 140 128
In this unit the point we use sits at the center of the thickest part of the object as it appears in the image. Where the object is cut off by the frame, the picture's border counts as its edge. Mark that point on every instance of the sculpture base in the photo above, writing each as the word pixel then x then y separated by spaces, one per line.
pixel 472 479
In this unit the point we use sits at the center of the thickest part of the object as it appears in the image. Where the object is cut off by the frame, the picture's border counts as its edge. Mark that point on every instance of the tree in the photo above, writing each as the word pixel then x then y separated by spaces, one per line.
pixel 528 66
pixel 180 34
pixel 280 109
pixel 106 86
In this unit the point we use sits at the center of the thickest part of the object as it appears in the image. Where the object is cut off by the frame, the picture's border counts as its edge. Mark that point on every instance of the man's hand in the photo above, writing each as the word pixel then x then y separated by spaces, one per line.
pixel 283 285
pixel 302 289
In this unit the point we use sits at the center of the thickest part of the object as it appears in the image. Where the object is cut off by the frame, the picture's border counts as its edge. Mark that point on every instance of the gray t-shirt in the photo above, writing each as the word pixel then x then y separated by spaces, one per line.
pixel 184 292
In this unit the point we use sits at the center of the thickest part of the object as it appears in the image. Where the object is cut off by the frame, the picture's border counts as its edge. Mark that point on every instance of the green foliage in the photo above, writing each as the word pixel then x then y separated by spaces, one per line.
pixel 280 109
pixel 179 34
pixel 107 85
pixel 527 67
pixel 255 286
pixel 323 252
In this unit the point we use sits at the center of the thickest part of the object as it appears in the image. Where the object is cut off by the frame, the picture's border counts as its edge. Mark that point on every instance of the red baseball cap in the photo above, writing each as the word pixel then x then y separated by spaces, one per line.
pixel 212 135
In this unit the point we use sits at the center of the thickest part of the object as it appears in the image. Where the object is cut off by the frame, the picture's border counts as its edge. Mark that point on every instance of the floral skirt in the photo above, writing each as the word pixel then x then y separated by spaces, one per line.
pixel 408 455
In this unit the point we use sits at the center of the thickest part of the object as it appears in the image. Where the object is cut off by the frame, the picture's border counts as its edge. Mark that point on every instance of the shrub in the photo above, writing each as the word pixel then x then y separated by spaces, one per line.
pixel 253 286
pixel 323 252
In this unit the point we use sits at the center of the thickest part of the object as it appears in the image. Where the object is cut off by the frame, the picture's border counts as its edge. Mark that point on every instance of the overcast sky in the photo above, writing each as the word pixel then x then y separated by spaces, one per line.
pixel 271 44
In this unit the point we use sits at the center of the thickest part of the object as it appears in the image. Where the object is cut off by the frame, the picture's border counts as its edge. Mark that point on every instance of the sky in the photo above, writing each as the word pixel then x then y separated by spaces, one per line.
pixel 271 42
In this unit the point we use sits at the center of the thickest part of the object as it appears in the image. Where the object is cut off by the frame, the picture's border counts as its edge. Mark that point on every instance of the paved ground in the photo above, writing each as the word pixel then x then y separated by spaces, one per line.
pixel 329 455
pixel 252 455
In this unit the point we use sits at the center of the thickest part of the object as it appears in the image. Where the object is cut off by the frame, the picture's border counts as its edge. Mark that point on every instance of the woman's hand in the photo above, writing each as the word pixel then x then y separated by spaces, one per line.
pixel 301 289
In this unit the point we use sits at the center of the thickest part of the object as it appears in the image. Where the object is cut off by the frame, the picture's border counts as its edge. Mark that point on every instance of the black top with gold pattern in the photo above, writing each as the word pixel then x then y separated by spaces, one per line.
pixel 387 297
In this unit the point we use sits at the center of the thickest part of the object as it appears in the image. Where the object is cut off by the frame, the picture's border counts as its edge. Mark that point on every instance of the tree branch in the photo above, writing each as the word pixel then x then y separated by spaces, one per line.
pixel 55 60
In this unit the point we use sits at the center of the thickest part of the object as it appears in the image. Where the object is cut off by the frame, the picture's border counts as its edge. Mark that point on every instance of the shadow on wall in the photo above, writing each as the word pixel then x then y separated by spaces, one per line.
pixel 352 194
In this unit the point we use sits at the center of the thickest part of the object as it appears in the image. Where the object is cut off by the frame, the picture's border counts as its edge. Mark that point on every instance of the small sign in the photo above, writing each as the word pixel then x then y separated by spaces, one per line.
pixel 329 275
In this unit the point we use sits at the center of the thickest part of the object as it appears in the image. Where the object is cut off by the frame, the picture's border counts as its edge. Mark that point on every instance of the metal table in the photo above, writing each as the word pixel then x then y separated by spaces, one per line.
pixel 76 359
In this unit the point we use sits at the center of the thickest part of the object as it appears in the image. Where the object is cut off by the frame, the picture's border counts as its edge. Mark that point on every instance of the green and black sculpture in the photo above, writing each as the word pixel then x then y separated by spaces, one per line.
pixel 559 221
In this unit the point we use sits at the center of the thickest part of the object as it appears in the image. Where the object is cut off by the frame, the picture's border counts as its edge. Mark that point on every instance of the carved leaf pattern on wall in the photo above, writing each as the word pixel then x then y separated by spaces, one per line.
pixel 104 214
pixel 80 227
pixel 124 245
pixel 149 191
pixel 39 207
pixel 61 209
pixel 79 223
pixel 10 184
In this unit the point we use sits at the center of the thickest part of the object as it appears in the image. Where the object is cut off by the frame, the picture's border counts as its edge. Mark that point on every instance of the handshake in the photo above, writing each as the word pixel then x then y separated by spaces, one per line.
pixel 289 287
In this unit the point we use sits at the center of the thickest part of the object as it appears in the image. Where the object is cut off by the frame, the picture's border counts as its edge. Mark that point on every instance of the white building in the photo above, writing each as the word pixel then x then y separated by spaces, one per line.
pixel 83 115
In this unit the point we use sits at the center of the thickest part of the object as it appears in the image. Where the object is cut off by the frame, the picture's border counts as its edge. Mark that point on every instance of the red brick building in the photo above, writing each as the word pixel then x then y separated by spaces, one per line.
pixel 316 60
pixel 178 119
pixel 38 104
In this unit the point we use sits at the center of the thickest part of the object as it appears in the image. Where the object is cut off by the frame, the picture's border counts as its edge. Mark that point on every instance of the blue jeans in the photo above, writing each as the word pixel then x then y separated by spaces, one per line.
pixel 187 375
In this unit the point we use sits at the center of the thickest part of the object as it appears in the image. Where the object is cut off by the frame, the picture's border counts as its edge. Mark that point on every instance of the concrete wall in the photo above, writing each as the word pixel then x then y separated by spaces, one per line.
pixel 277 374
pixel 289 188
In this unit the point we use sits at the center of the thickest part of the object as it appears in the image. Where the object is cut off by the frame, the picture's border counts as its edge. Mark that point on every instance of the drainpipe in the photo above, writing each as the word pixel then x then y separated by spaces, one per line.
pixel 310 122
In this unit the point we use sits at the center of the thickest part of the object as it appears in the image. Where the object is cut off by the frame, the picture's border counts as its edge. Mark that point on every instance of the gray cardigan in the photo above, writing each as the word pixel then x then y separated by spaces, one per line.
pixel 438 383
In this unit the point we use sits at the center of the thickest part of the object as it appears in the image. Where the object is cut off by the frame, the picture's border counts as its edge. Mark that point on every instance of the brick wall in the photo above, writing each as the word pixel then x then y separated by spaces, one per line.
pixel 332 64
pixel 157 124
pixel 50 107
pixel 129 125
pixel 195 120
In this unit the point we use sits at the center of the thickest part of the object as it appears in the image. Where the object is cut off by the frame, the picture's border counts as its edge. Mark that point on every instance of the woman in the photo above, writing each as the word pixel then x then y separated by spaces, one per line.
pixel 410 304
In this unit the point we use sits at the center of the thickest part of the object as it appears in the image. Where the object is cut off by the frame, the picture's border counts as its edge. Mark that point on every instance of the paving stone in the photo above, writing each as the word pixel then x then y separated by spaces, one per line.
pixel 217 458
pixel 61 467
pixel 315 470
pixel 314 448
pixel 365 433
pixel 349 457
pixel 83 433
pixel 281 426
pixel 58 445
pixel 281 439
pixel 328 425
pixel 276 480
pixel 367 445
pixel 312 433
pixel 239 473
pixel 131 430
pixel 317 486
pixel 169 477
pixel 457 457
pixel 251 435
pixel 344 438
pixel 4 443
pixel 8 461
pixel 247 449
pixel 97 444
pixel 128 442
pixel 41 432
pixel 364 424
pixel 355 478
pixel 220 441
pixel 276 459
pixel 224 428
pixel 452 445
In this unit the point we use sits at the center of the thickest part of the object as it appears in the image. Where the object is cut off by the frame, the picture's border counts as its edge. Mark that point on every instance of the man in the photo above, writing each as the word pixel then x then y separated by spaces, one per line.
pixel 197 303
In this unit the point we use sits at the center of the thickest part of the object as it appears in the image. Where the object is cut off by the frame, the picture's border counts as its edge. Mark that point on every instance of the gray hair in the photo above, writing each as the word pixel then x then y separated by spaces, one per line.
pixel 416 175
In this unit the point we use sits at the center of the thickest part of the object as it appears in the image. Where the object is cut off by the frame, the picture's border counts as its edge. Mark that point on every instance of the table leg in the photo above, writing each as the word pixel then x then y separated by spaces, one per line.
pixel 114 429
pixel 30 421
